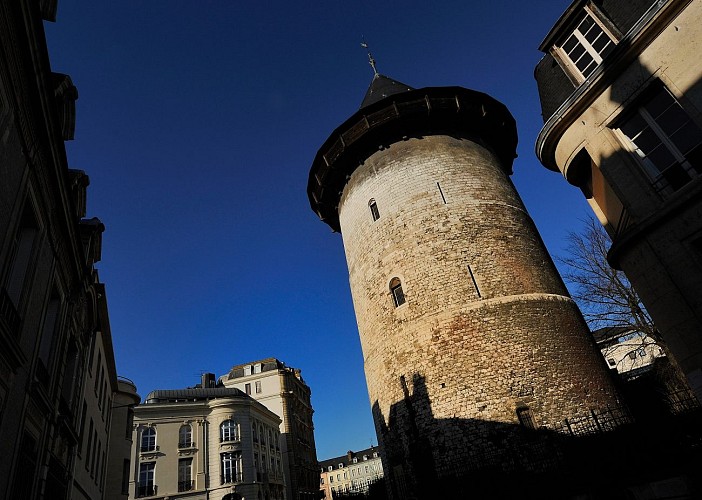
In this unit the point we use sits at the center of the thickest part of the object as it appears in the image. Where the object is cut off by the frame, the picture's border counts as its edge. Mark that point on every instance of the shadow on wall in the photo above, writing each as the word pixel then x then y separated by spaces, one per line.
pixel 484 459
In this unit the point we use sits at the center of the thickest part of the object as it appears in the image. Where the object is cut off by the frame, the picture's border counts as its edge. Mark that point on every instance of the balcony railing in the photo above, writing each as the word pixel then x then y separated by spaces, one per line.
pixel 146 490
pixel 235 477
pixel 149 448
pixel 186 485
pixel 186 444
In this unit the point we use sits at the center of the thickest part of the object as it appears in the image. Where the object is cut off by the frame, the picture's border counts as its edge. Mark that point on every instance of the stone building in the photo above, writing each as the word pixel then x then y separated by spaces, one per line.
pixel 53 313
pixel 354 472
pixel 125 398
pixel 470 339
pixel 283 391
pixel 622 103
pixel 206 443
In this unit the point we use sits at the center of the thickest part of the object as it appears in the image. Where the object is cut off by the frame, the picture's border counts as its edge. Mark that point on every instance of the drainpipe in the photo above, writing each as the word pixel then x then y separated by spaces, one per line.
pixel 205 430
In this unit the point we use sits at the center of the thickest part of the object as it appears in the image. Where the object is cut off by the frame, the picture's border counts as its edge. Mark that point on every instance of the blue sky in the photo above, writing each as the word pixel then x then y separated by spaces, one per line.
pixel 197 122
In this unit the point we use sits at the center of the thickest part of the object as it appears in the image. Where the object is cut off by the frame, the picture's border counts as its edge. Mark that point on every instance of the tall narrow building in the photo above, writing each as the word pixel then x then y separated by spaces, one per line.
pixel 283 391
pixel 469 337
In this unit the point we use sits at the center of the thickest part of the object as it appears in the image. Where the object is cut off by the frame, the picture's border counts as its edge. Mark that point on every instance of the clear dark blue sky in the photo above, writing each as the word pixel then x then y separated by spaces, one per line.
pixel 197 122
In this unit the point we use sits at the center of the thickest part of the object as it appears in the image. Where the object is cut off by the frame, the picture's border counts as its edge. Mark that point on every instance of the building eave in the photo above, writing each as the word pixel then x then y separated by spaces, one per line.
pixel 647 29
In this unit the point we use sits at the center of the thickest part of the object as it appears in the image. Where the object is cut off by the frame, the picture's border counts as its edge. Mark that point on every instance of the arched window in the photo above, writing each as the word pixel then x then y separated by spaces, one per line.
pixel 228 431
pixel 373 206
pixel 148 439
pixel 398 296
pixel 185 436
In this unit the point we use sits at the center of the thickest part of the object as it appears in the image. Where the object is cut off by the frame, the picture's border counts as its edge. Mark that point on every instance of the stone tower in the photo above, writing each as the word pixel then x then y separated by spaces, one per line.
pixel 470 339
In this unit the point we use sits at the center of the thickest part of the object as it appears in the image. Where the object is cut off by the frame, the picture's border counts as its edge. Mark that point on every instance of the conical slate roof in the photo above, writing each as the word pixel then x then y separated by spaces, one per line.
pixel 381 87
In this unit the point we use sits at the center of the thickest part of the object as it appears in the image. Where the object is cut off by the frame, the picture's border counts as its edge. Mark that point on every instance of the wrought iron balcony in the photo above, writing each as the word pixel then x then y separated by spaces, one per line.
pixel 186 485
pixel 146 490
pixel 186 444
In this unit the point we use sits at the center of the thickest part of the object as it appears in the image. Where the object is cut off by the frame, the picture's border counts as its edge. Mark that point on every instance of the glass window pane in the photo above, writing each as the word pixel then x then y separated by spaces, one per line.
pixel 576 53
pixel 570 44
pixel 585 24
pixel 587 71
pixel 672 119
pixel 646 141
pixel 687 138
pixel 659 103
pixel 593 33
pixel 662 158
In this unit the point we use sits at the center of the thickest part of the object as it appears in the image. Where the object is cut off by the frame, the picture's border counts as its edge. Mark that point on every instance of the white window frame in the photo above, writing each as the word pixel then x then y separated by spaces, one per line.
pixel 228 431
pixel 596 55
pixel 231 467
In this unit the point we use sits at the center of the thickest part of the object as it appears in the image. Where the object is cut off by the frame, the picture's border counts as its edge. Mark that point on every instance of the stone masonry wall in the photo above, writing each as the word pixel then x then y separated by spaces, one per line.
pixel 508 336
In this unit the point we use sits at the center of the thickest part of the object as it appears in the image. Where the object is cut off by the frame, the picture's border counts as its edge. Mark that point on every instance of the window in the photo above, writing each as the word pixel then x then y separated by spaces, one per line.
pixel 587 46
pixel 21 252
pixel 247 388
pixel 373 206
pixel 331 479
pixel 254 432
pixel 185 481
pixel 148 439
pixel 231 467
pixel 90 443
pixel 611 362
pixel 47 336
pixel 125 476
pixel 185 436
pixel 321 481
pixel 146 487
pixel 525 417
pixel 229 431
pixel 398 296
pixel 258 387
pixel 666 141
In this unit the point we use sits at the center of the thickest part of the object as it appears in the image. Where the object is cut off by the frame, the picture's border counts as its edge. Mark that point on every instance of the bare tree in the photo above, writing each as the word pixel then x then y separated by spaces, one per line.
pixel 603 293
pixel 607 298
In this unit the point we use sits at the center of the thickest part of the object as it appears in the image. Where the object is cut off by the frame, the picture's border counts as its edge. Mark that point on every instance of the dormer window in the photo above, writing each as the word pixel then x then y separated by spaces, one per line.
pixel 585 48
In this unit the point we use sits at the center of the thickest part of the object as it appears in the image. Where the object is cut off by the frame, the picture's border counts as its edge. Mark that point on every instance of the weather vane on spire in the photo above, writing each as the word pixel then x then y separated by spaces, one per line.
pixel 371 61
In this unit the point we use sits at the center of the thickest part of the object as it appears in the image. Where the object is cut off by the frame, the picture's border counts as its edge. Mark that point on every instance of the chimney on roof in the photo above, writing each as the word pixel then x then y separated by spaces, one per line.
pixel 208 381
pixel 349 455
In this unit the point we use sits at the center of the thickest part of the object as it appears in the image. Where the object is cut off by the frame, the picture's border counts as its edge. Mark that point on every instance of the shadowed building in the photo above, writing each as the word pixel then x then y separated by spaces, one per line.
pixel 469 337
pixel 57 370
pixel 622 103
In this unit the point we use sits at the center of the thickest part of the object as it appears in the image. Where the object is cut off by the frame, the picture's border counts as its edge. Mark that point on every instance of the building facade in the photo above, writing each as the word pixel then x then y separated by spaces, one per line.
pixel 282 390
pixel 622 103
pixel 124 400
pixel 206 443
pixel 470 339
pixel 53 312
pixel 627 351
pixel 352 473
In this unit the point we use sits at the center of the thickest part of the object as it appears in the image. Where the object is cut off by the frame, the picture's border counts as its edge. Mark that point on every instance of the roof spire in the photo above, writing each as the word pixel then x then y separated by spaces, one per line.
pixel 371 61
